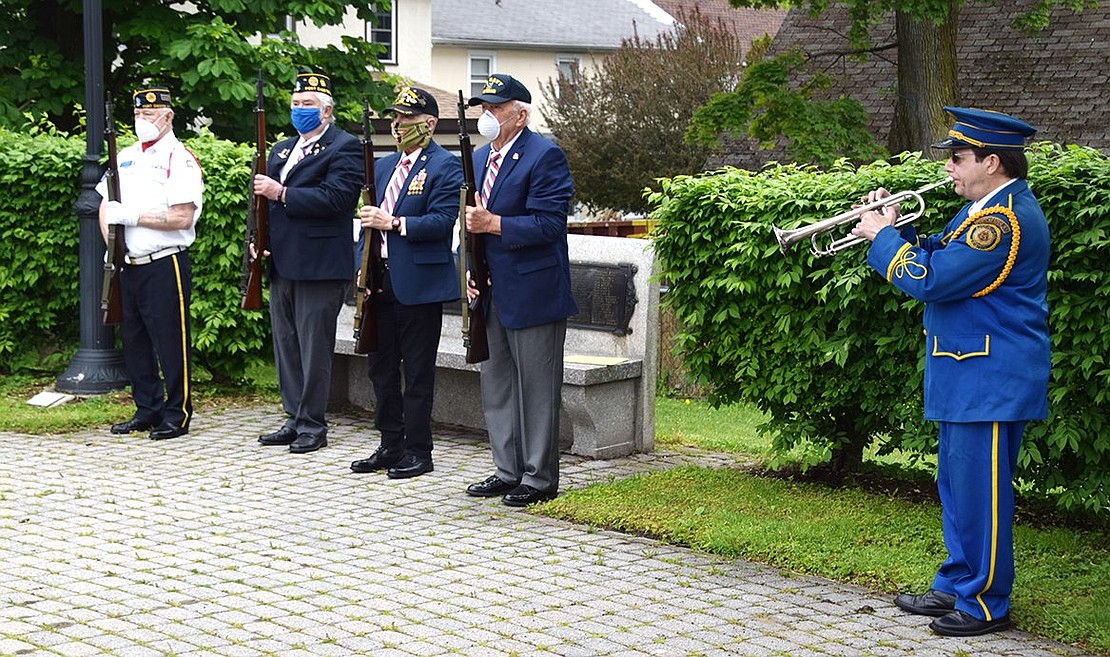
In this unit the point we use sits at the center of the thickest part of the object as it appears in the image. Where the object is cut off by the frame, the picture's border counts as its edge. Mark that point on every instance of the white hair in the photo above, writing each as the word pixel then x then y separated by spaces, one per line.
pixel 527 107
pixel 325 102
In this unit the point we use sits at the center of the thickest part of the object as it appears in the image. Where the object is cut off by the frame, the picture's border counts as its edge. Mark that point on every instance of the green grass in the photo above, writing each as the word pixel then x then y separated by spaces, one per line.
pixel 102 410
pixel 845 534
pixel 684 423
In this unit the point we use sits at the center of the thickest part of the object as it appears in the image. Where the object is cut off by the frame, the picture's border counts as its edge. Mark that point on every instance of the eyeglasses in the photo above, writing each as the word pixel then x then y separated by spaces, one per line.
pixel 956 157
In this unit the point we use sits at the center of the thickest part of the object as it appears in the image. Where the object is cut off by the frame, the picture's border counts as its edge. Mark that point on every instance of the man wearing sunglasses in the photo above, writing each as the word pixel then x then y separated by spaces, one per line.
pixel 983 280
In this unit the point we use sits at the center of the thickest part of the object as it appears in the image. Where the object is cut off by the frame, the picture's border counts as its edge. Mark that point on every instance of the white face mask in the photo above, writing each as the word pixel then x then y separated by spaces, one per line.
pixel 488 125
pixel 146 131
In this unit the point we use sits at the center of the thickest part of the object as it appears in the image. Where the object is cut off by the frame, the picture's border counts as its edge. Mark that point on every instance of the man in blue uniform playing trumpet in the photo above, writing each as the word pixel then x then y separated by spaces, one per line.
pixel 983 281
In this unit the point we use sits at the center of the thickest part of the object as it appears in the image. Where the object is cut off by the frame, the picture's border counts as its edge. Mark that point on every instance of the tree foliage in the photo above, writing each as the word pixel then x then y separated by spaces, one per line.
pixel 621 125
pixel 209 53
pixel 834 355
pixel 766 106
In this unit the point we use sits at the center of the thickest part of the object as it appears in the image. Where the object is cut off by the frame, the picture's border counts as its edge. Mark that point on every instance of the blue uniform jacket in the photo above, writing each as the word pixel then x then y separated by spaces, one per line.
pixel 528 261
pixel 983 281
pixel 421 264
pixel 310 234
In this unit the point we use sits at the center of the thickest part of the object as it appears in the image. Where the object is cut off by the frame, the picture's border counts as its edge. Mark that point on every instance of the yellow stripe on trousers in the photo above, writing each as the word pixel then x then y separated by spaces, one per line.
pixel 184 343
pixel 994 519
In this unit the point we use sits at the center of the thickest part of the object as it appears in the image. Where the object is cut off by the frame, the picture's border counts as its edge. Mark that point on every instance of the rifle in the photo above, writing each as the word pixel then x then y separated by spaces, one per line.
pixel 473 246
pixel 258 214
pixel 110 304
pixel 366 329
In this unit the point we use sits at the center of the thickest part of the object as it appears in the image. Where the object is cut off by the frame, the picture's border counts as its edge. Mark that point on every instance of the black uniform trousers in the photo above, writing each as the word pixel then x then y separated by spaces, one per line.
pixel 408 339
pixel 156 336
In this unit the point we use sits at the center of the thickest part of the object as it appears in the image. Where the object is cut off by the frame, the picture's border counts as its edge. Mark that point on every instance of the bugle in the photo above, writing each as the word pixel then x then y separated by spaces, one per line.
pixel 788 238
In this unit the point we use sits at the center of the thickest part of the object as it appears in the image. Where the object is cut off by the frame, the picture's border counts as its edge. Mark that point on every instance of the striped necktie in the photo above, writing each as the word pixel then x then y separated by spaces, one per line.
pixel 394 190
pixel 491 174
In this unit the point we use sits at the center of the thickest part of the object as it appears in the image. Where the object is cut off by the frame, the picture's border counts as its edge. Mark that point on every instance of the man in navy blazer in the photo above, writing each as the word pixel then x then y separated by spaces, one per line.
pixel 313 185
pixel 413 222
pixel 524 193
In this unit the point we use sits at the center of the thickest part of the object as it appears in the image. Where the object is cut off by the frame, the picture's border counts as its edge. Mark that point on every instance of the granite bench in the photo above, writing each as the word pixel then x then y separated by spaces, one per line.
pixel 609 367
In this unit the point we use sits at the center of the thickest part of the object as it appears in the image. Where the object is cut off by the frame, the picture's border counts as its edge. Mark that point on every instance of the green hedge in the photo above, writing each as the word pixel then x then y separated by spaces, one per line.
pixel 40 171
pixel 833 354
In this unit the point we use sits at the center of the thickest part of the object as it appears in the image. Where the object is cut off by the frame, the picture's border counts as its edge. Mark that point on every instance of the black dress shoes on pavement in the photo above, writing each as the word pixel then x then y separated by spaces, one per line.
pixel 379 460
pixel 306 443
pixel 283 436
pixel 134 424
pixel 929 603
pixel 525 495
pixel 167 431
pixel 410 466
pixel 490 487
pixel 959 623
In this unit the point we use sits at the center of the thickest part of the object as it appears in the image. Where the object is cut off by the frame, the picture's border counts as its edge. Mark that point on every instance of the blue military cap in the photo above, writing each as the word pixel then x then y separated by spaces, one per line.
pixel 501 88
pixel 979 128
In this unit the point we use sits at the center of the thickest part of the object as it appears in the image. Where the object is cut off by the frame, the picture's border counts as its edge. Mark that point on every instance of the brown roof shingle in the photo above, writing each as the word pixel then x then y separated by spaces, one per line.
pixel 1057 79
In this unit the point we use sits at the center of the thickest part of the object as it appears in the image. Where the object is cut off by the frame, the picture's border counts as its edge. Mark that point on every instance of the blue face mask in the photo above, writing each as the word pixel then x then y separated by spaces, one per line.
pixel 305 119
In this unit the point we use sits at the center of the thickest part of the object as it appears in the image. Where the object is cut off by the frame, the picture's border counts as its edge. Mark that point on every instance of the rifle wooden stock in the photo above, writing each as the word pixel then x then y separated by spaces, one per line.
pixel 472 255
pixel 258 214
pixel 110 305
pixel 366 328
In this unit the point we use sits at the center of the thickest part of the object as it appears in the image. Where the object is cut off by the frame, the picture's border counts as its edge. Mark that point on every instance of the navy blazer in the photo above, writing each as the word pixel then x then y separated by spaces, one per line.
pixel 421 264
pixel 528 261
pixel 987 352
pixel 310 234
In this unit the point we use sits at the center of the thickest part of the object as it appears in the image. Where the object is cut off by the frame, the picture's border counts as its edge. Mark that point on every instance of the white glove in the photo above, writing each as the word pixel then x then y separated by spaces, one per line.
pixel 118 213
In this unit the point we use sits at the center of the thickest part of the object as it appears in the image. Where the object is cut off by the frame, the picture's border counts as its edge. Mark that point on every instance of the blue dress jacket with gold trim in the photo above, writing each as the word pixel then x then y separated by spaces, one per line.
pixel 983 281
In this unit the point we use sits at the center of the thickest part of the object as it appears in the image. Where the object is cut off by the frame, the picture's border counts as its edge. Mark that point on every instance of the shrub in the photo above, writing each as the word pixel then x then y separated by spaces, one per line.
pixel 41 172
pixel 834 355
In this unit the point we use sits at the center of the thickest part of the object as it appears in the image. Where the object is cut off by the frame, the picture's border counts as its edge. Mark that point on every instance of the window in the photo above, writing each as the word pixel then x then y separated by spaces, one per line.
pixel 568 66
pixel 481 66
pixel 383 30
pixel 285 23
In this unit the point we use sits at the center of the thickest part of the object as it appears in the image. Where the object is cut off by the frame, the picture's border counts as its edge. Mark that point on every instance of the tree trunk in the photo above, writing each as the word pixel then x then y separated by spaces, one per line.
pixel 927 81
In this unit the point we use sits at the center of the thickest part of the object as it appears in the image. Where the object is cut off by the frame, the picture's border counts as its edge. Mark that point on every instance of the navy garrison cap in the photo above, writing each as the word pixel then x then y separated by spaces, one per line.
pixel 152 97
pixel 309 80
pixel 978 128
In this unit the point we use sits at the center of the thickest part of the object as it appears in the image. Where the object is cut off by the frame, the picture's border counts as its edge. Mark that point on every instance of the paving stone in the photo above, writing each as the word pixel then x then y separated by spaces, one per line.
pixel 211 544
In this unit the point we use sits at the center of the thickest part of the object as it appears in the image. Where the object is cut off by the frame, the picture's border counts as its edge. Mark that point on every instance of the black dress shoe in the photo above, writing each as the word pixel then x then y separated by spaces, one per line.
pixel 379 460
pixel 959 623
pixel 283 436
pixel 306 443
pixel 134 424
pixel 410 466
pixel 491 487
pixel 167 431
pixel 929 603
pixel 525 495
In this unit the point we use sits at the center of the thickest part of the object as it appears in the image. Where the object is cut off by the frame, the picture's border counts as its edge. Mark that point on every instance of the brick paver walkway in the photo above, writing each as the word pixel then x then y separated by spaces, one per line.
pixel 214 545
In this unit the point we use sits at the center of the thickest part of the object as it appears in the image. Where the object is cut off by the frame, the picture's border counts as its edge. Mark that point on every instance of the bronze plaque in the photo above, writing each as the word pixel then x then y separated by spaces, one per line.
pixel 605 294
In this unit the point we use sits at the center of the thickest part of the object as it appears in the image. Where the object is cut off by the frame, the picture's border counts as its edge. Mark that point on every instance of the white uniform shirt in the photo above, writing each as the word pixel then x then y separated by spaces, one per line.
pixel 163 175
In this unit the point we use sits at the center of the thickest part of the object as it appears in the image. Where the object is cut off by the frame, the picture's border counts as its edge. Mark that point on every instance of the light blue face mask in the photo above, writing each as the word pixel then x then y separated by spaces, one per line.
pixel 305 119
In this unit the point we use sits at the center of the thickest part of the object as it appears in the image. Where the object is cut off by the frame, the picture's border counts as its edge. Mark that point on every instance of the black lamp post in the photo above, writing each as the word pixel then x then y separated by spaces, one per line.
pixel 97 367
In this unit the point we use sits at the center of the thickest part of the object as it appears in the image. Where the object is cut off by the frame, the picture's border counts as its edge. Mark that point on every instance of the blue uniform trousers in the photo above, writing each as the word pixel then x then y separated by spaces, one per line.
pixel 975 467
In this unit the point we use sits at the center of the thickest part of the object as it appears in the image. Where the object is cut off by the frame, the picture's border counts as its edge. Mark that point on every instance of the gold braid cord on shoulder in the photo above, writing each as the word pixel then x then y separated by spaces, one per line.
pixel 1014 243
